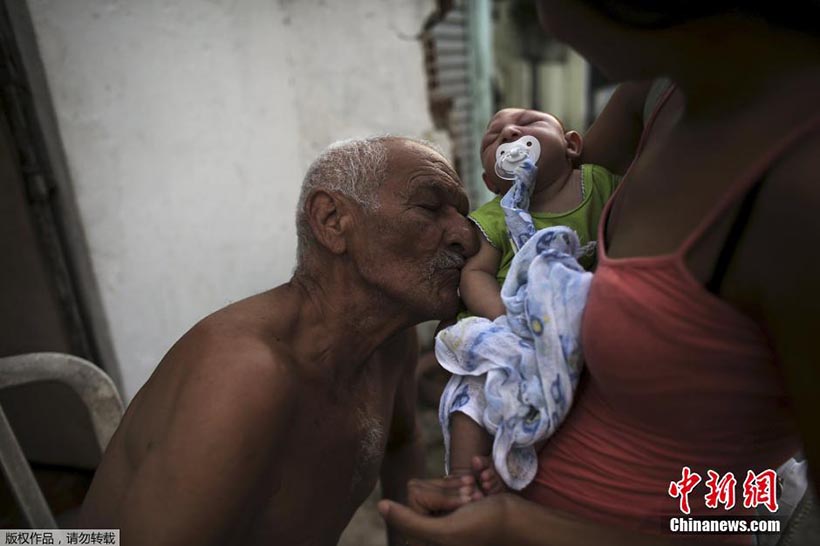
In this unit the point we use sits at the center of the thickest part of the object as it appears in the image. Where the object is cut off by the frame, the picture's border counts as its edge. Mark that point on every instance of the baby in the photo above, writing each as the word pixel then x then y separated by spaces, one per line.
pixel 562 195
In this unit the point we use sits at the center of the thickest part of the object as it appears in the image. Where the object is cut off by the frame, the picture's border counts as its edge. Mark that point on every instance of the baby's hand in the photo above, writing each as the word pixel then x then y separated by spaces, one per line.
pixel 489 480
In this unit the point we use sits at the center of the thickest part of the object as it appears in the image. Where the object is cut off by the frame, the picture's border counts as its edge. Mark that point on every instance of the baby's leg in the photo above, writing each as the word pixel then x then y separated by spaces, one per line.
pixel 467 440
pixel 470 456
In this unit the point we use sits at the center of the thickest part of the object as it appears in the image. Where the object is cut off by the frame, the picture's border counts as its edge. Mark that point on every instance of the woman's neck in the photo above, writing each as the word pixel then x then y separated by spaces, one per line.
pixel 742 65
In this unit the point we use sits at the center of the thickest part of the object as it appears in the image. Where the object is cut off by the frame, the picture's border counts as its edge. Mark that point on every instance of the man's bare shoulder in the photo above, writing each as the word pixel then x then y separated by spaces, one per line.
pixel 211 425
pixel 233 355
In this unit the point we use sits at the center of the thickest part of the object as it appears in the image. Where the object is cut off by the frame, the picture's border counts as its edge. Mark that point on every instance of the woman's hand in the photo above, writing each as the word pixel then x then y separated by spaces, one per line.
pixel 504 519
pixel 475 523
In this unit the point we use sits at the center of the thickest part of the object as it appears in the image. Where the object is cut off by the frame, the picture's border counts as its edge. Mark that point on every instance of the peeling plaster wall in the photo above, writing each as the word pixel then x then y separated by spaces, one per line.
pixel 188 125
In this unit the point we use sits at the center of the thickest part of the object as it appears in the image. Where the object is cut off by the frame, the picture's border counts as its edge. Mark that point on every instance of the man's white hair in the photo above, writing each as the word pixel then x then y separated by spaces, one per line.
pixel 355 168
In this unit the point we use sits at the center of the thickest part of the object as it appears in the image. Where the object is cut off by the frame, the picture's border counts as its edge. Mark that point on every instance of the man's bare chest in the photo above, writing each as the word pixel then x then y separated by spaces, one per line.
pixel 334 454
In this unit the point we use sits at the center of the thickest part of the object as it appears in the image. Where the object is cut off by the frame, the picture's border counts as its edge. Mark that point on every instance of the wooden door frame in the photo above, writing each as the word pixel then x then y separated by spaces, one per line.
pixel 26 99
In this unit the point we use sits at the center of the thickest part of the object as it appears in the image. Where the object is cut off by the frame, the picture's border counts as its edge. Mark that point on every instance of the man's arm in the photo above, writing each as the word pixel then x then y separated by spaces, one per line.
pixel 404 454
pixel 200 476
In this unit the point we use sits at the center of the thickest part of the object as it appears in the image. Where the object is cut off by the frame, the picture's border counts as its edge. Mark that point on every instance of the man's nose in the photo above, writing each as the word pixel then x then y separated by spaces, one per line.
pixel 461 237
pixel 510 133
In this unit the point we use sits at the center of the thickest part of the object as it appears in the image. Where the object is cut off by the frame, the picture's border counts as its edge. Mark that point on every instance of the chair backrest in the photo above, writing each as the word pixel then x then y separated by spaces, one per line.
pixel 54 388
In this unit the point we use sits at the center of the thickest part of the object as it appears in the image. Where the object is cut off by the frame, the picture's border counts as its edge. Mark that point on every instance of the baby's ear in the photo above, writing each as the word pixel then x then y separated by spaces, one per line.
pixel 489 183
pixel 574 144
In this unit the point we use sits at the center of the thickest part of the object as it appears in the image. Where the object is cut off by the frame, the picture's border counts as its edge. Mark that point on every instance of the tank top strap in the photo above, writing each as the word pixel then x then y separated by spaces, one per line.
pixel 648 123
pixel 747 181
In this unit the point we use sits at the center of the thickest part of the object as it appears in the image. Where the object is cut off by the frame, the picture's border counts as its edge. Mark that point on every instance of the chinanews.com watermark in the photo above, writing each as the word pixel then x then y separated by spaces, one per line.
pixel 724 525
pixel 758 490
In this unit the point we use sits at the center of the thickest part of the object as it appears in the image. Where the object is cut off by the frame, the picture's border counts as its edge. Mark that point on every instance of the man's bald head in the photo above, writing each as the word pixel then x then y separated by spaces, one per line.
pixel 355 168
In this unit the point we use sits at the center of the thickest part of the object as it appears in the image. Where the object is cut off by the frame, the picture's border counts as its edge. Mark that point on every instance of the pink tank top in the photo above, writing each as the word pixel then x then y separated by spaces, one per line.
pixel 676 377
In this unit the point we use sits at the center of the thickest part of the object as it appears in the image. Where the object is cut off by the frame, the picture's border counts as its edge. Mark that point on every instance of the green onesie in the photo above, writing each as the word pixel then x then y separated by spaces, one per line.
pixel 598 185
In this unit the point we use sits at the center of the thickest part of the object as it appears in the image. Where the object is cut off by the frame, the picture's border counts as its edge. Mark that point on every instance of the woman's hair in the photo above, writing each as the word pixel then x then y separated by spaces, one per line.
pixel 801 15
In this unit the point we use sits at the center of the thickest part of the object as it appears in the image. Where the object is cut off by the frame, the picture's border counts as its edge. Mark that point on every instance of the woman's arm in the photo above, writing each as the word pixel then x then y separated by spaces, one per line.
pixel 613 138
pixel 774 275
pixel 502 520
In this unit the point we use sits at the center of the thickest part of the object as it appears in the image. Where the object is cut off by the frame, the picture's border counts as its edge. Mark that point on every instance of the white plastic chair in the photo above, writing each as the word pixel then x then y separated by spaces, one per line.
pixel 94 391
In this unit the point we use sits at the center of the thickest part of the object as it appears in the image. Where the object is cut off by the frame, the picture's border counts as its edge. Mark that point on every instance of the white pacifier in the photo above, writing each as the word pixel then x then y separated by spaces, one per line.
pixel 511 155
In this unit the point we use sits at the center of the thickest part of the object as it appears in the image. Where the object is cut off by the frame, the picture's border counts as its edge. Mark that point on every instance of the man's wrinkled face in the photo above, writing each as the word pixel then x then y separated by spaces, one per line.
pixel 414 244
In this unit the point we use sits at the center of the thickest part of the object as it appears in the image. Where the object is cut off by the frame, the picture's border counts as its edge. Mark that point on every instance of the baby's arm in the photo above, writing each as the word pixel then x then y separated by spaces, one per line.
pixel 479 288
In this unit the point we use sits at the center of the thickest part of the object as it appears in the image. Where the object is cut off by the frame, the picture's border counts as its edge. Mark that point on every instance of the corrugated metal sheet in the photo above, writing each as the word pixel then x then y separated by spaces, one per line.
pixel 448 72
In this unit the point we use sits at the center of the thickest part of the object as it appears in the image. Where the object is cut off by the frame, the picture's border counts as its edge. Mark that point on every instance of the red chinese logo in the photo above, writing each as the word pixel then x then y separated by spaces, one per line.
pixel 685 486
pixel 760 489
pixel 721 491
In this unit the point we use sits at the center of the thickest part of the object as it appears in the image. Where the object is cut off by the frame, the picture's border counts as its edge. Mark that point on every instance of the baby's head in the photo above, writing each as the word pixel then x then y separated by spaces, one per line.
pixel 558 148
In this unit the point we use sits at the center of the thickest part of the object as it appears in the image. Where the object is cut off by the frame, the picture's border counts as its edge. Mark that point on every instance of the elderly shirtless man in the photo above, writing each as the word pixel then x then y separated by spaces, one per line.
pixel 269 421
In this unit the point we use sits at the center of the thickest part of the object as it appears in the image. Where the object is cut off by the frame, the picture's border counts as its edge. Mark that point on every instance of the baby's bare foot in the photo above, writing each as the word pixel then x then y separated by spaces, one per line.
pixel 469 487
pixel 488 479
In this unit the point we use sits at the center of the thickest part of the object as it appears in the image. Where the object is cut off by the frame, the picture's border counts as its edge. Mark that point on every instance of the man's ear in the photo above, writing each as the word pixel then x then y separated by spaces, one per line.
pixel 574 144
pixel 327 214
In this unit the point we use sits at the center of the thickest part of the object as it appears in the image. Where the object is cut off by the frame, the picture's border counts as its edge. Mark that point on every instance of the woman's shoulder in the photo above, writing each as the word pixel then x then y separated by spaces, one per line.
pixel 791 187
pixel 777 263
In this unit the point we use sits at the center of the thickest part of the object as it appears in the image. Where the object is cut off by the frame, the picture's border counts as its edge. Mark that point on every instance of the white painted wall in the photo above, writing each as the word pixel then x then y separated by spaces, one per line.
pixel 188 125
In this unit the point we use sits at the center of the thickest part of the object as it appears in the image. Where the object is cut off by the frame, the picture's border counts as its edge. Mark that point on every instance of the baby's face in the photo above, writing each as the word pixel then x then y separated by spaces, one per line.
pixel 509 125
